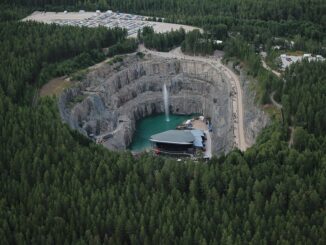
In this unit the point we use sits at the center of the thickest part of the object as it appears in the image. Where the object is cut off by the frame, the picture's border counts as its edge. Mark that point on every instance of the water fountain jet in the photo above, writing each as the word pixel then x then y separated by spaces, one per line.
pixel 166 102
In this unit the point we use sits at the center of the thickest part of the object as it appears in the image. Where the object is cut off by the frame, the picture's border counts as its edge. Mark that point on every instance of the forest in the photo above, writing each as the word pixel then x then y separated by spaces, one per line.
pixel 257 21
pixel 312 10
pixel 305 101
pixel 57 187
pixel 192 42
pixel 161 41
pixel 27 48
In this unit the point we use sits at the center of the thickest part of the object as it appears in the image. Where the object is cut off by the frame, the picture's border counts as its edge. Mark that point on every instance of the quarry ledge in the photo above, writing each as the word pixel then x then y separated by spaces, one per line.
pixel 115 96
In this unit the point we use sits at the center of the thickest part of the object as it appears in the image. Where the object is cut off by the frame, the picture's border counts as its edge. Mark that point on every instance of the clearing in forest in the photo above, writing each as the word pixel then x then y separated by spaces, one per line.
pixel 55 86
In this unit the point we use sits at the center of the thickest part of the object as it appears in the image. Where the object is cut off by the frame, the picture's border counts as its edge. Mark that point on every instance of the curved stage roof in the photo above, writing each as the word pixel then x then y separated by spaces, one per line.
pixel 179 137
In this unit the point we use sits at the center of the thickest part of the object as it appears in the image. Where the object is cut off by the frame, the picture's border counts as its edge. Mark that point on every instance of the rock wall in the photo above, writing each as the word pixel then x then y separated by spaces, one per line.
pixel 255 119
pixel 109 101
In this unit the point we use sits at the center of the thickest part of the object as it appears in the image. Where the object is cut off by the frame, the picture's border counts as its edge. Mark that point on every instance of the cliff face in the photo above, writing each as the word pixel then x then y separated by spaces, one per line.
pixel 110 99
pixel 254 118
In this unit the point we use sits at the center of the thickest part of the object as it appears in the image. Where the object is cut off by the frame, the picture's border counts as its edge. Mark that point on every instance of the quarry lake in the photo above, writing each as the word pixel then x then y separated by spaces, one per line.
pixel 148 126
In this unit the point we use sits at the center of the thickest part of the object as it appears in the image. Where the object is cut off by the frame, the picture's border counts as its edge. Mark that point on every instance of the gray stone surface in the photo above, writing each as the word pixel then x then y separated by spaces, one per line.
pixel 254 118
pixel 109 100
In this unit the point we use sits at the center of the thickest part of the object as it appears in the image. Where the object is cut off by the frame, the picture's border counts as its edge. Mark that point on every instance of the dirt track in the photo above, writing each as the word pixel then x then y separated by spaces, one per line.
pixel 279 106
pixel 270 69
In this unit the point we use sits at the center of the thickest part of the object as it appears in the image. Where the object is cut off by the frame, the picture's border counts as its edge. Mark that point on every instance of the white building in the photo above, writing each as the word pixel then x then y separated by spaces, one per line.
pixel 288 60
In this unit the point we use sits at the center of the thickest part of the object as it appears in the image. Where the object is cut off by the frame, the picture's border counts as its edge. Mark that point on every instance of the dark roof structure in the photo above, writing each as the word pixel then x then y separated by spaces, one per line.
pixel 178 137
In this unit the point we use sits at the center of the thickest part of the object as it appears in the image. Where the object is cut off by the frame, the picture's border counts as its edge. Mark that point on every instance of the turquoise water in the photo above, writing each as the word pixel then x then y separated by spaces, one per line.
pixel 148 126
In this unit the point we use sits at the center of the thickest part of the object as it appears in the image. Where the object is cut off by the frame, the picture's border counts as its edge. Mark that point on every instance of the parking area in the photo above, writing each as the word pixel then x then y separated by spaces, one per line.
pixel 107 19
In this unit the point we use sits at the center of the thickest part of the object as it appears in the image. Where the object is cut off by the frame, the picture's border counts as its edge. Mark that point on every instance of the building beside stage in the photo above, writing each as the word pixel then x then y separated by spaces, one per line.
pixel 179 142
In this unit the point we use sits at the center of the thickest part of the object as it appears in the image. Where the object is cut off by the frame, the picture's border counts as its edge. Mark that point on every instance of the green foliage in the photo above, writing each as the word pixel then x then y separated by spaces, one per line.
pixel 26 48
pixel 267 82
pixel 304 95
pixel 69 66
pixel 219 31
pixel 140 55
pixel 197 43
pixel 79 75
pixel 161 41
pixel 249 9
pixel 12 12
pixel 126 46
pixel 77 99
pixel 238 47
pixel 273 59
pixel 57 187
pixel 116 59
pixel 75 191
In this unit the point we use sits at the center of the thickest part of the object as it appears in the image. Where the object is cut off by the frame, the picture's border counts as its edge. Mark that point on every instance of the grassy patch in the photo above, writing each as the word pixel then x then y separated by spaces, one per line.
pixel 256 89
pixel 273 112
pixel 140 55
pixel 273 59
pixel 77 99
pixel 79 75
pixel 295 53
pixel 115 59
pixel 55 87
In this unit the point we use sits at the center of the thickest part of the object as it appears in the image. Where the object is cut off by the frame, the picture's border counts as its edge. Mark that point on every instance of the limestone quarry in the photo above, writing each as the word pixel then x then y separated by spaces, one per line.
pixel 108 101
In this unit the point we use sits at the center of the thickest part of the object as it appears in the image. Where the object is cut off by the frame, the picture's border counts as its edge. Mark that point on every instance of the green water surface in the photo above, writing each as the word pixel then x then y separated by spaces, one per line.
pixel 148 126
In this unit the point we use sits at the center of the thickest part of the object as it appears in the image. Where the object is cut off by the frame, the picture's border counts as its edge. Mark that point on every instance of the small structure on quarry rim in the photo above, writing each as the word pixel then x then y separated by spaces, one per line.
pixel 179 142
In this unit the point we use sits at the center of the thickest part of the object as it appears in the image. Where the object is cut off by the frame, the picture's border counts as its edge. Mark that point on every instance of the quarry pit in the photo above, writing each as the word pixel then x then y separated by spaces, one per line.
pixel 106 104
